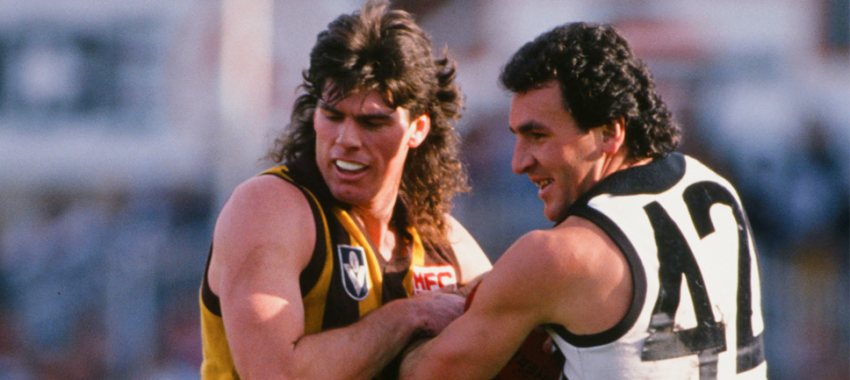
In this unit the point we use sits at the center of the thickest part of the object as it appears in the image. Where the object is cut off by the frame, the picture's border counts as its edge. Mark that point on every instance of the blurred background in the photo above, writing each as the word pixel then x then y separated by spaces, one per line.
pixel 124 126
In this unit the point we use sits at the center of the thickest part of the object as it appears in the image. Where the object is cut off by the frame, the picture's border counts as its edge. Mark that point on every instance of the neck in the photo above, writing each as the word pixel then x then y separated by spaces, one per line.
pixel 621 161
pixel 375 220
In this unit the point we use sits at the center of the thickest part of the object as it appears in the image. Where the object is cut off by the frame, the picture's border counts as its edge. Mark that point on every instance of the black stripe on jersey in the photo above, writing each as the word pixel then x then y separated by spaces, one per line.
pixel 445 252
pixel 653 178
pixel 340 309
pixel 393 286
pixel 638 283
pixel 393 275
pixel 209 298
pixel 310 275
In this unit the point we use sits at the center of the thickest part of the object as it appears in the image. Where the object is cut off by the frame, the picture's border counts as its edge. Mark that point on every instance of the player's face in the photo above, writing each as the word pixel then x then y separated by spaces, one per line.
pixel 560 158
pixel 361 146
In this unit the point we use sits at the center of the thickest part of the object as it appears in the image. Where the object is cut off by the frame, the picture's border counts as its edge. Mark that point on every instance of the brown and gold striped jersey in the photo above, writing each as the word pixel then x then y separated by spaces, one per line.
pixel 343 281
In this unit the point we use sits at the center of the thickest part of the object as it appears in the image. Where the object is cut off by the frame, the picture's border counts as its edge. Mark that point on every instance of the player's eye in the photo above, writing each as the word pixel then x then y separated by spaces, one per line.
pixel 372 123
pixel 332 116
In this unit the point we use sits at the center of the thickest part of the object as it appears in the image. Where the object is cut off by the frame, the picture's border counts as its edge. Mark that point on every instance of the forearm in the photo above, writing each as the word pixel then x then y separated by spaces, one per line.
pixel 411 357
pixel 358 351
pixel 262 349
pixel 363 349
pixel 475 346
pixel 424 360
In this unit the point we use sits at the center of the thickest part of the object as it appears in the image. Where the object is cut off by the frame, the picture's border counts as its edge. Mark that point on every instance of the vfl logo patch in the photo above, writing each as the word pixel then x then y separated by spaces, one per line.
pixel 355 271
pixel 433 277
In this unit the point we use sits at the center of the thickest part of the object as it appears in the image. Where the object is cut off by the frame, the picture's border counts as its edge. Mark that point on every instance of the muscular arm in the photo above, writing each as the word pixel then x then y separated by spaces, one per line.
pixel 263 239
pixel 572 275
pixel 481 341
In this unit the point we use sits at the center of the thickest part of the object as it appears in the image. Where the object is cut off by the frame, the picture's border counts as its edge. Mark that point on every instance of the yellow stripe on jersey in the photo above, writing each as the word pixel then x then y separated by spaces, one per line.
pixel 418 260
pixel 217 364
pixel 338 228
pixel 375 297
pixel 314 301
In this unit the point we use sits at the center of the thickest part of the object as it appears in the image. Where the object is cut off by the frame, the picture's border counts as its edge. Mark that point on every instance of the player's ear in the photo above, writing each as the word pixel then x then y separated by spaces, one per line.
pixel 421 126
pixel 614 135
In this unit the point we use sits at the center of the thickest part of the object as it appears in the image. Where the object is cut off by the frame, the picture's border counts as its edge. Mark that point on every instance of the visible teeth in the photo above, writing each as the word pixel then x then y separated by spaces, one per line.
pixel 347 165
pixel 543 182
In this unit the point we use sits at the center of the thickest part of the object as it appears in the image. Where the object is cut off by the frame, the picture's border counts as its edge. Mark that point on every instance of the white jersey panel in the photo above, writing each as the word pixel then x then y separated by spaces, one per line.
pixel 708 228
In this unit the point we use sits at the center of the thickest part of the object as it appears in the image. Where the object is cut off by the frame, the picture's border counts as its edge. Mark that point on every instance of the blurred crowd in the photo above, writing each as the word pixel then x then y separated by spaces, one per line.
pixel 104 287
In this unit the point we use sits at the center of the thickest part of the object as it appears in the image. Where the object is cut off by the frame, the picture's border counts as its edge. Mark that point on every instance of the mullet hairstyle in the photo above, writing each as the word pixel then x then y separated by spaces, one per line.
pixel 383 50
pixel 600 80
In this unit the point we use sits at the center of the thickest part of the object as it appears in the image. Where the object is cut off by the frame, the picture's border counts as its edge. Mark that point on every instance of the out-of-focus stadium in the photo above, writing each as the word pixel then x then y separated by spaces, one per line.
pixel 124 126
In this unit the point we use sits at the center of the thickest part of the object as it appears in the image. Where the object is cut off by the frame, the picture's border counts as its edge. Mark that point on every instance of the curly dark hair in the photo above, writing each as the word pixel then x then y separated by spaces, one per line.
pixel 600 80
pixel 384 50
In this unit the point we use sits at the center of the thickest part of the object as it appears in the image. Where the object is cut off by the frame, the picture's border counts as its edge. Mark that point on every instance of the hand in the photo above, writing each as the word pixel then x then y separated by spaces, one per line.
pixel 435 310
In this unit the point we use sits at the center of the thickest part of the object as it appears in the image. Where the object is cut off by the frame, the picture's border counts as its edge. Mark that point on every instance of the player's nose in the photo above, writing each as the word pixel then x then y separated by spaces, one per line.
pixel 349 134
pixel 521 160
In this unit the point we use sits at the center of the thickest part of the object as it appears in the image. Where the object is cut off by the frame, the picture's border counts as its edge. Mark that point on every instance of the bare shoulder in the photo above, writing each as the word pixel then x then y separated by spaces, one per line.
pixel 570 246
pixel 263 215
pixel 472 259
pixel 573 274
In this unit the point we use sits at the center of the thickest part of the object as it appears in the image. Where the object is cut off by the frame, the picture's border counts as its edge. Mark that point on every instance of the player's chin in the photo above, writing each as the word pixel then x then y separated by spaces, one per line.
pixel 554 212
pixel 350 194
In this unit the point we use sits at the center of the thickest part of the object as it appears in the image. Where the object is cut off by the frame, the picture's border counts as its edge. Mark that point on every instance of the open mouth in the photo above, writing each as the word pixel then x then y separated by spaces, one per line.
pixel 348 166
pixel 543 183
